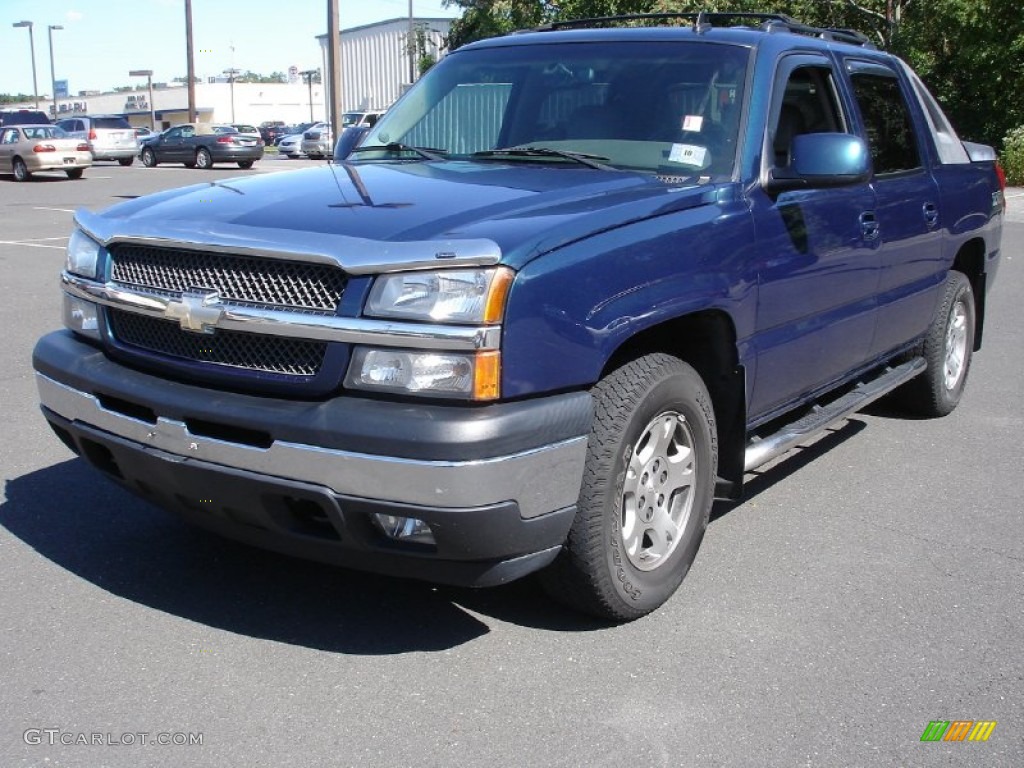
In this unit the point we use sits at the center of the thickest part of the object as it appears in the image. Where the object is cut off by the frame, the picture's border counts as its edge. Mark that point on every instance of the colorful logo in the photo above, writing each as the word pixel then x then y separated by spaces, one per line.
pixel 958 730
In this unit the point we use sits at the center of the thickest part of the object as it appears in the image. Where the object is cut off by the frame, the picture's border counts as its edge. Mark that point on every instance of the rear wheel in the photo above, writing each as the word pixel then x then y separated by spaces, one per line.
pixel 947 350
pixel 647 491
pixel 126 161
pixel 245 164
pixel 75 173
pixel 149 158
pixel 203 159
pixel 20 170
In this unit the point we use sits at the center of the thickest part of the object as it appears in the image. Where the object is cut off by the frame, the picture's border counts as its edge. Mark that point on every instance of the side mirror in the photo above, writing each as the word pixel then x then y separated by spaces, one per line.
pixel 349 140
pixel 822 160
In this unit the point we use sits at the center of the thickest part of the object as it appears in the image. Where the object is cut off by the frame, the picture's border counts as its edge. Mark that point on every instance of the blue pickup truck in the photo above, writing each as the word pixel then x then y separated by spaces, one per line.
pixel 568 290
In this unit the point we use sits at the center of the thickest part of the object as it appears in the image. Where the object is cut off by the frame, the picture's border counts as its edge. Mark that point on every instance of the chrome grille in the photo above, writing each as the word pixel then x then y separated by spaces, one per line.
pixel 274 354
pixel 275 283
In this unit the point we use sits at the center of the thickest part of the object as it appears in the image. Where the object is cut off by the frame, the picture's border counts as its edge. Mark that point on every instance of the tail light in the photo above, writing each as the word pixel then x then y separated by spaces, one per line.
pixel 225 140
pixel 44 148
pixel 92 134
pixel 83 147
pixel 1001 175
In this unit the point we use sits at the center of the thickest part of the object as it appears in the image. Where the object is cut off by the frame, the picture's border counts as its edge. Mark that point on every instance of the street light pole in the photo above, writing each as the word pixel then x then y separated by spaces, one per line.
pixel 53 76
pixel 308 74
pixel 32 47
pixel 231 79
pixel 148 74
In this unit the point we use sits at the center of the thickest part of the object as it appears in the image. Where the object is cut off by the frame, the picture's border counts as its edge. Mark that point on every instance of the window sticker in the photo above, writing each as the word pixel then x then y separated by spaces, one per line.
pixel 693 123
pixel 690 154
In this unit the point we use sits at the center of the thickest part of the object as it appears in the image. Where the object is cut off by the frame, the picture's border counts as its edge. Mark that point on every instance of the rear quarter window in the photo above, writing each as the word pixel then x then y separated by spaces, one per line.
pixel 110 122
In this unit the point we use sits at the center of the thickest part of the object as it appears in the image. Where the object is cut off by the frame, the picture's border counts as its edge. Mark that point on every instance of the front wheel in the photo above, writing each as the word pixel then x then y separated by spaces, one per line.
pixel 947 350
pixel 647 491
pixel 204 160
pixel 149 158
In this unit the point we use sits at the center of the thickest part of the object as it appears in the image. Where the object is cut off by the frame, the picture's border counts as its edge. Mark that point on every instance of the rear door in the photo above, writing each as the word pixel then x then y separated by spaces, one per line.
pixel 908 207
pixel 818 269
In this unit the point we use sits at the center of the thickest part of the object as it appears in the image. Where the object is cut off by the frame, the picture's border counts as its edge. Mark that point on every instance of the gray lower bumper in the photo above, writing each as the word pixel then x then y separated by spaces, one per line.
pixel 539 481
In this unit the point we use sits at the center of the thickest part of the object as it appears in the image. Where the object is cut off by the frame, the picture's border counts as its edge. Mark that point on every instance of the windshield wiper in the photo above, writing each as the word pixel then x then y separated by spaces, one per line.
pixel 591 161
pixel 428 153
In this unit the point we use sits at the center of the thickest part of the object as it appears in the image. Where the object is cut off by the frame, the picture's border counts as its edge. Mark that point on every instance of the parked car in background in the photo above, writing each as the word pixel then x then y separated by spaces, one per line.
pixel 290 144
pixel 317 141
pixel 273 130
pixel 110 137
pixel 367 119
pixel 142 132
pixel 23 117
pixel 200 145
pixel 28 149
pixel 247 130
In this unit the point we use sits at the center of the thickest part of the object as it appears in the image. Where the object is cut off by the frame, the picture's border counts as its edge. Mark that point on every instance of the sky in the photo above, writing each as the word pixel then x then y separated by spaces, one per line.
pixel 103 39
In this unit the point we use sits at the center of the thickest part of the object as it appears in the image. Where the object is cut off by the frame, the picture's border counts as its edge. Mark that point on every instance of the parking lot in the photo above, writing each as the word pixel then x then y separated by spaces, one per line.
pixel 869 584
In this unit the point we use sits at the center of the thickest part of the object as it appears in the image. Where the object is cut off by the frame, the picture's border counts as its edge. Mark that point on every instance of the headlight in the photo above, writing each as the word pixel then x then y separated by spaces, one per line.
pixel 441 374
pixel 82 255
pixel 442 296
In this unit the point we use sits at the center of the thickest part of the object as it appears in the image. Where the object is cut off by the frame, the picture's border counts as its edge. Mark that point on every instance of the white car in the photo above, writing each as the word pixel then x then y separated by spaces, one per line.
pixel 290 146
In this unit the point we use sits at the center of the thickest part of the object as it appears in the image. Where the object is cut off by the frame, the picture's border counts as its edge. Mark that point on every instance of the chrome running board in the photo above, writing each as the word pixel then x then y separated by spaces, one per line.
pixel 762 450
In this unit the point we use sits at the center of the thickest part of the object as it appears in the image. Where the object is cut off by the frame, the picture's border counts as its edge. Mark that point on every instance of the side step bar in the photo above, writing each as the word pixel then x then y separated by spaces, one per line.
pixel 762 450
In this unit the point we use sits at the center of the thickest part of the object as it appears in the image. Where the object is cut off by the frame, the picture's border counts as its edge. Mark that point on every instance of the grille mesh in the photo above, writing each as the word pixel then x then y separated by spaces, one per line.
pixel 274 354
pixel 274 283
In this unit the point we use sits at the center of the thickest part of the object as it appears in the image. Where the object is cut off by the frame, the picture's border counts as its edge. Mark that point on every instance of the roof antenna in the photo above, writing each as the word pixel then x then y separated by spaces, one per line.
pixel 701 24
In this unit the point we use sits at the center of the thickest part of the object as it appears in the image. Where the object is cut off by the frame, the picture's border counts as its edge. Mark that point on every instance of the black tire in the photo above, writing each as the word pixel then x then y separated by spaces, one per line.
pixel 149 158
pixel 609 565
pixel 314 157
pixel 21 172
pixel 245 164
pixel 204 159
pixel 947 348
pixel 126 161
pixel 75 173
pixel 189 164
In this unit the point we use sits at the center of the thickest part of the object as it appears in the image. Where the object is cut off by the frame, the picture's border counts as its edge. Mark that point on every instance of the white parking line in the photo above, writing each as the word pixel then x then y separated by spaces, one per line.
pixel 44 208
pixel 31 245
pixel 40 239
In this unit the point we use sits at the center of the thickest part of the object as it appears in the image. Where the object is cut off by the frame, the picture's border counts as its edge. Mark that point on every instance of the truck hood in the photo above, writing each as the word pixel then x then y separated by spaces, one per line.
pixel 375 217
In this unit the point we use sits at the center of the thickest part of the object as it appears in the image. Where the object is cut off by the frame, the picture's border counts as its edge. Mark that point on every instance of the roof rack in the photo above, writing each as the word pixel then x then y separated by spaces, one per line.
pixel 705 20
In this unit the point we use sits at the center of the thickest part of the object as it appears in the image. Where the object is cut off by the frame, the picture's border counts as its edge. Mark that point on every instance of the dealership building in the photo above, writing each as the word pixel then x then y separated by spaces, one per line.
pixel 375 70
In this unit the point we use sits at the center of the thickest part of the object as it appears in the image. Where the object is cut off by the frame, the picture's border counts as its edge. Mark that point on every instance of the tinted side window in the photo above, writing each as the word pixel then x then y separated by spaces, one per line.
pixel 887 120
pixel 809 105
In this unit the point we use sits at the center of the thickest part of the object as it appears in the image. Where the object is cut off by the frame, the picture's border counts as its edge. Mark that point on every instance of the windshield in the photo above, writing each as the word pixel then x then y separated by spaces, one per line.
pixel 662 107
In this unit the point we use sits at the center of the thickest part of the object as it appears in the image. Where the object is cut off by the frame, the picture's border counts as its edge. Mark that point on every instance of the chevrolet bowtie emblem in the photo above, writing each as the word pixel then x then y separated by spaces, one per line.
pixel 196 311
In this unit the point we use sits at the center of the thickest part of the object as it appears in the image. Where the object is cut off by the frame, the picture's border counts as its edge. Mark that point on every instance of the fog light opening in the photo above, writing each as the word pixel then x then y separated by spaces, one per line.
pixel 408 530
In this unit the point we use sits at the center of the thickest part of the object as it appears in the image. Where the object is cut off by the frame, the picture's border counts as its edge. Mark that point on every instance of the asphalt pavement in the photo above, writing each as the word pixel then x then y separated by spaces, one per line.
pixel 868 585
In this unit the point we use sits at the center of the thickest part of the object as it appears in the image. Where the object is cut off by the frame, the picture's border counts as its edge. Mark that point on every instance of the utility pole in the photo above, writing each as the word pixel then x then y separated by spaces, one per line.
pixel 191 74
pixel 32 48
pixel 308 75
pixel 334 69
pixel 231 79
pixel 53 77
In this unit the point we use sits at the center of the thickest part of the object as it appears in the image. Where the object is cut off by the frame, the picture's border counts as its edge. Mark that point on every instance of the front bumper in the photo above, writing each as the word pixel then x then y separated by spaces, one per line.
pixel 496 484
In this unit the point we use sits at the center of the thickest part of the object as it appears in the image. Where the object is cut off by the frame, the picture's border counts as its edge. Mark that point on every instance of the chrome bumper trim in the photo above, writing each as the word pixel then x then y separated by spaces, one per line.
pixel 539 481
pixel 272 322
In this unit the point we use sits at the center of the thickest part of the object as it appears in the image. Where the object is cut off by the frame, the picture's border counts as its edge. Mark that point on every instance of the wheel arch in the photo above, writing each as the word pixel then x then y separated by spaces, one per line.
pixel 706 341
pixel 970 260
